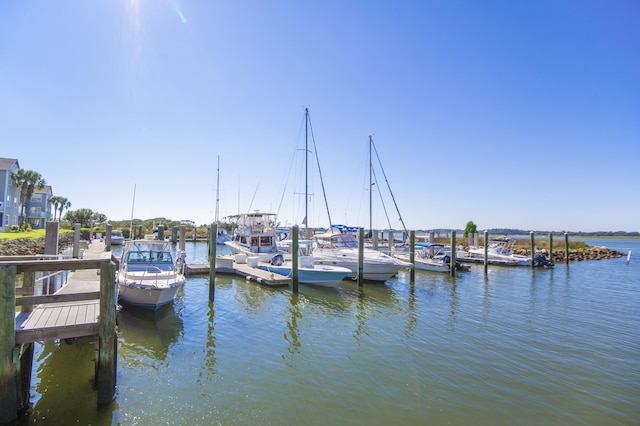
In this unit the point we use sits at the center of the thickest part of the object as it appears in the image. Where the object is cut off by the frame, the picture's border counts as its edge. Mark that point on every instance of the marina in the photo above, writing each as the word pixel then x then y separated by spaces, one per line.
pixel 513 345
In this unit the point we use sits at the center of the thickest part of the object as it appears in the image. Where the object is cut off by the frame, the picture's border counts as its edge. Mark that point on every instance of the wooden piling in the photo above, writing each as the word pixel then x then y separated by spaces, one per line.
pixel 213 231
pixel 412 256
pixel 566 248
pixel 533 247
pixel 174 234
pixel 360 257
pixel 8 378
pixel 161 232
pixel 107 238
pixel 294 259
pixel 486 251
pixel 76 240
pixel 551 246
pixel 183 234
pixel 374 240
pixel 452 267
pixel 107 342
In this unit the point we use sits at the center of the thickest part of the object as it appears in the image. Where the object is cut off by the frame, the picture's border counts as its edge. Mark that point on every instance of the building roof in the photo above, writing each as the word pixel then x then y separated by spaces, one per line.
pixel 6 163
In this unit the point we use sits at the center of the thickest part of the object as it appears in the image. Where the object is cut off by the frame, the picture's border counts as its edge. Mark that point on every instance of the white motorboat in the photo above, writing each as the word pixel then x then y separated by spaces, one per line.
pixel 148 276
pixel 117 238
pixel 341 249
pixel 255 235
pixel 499 252
pixel 428 257
pixel 309 272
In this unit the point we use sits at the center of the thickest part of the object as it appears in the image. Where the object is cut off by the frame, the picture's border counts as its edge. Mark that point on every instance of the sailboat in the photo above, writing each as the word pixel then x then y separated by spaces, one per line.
pixel 222 236
pixel 342 249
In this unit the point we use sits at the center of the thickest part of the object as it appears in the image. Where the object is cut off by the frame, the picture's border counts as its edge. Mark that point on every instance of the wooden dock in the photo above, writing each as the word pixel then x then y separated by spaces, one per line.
pixel 225 264
pixel 85 306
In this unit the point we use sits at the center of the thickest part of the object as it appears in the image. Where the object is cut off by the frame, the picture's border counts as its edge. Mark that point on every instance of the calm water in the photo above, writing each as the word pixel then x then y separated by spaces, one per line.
pixel 556 346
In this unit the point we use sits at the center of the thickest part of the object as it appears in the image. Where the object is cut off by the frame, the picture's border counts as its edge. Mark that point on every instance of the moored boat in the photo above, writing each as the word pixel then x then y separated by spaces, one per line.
pixel 148 276
pixel 309 272
pixel 342 249
pixel 255 235
pixel 429 257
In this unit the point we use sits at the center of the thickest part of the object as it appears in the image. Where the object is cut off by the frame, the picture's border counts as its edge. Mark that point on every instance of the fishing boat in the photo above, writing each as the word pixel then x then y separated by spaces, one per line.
pixel 148 276
pixel 255 235
pixel 429 257
pixel 309 272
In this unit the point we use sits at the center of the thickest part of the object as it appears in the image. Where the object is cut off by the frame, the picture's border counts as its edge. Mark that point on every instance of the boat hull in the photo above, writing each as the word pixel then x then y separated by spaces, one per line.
pixel 372 271
pixel 319 275
pixel 146 296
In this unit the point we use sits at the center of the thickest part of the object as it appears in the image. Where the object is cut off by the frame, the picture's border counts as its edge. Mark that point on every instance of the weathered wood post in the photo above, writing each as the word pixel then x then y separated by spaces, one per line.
pixel 470 239
pixel 452 264
pixel 76 240
pixel 107 238
pixel 161 232
pixel 391 240
pixel 174 234
pixel 50 247
pixel 8 374
pixel 183 233
pixel 140 231
pixel 361 256
pixel 374 240
pixel 294 259
pixel 476 239
pixel 213 231
pixel 107 341
pixel 195 233
pixel 486 251
pixel 551 247
pixel 533 247
pixel 566 248
pixel 412 256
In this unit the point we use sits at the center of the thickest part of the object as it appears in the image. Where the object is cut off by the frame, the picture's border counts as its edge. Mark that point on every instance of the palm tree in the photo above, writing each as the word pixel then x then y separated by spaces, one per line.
pixel 34 180
pixel 64 204
pixel 19 179
pixel 55 201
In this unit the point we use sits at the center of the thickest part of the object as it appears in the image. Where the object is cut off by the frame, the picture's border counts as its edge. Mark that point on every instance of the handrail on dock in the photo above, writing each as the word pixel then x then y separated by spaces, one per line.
pixel 20 329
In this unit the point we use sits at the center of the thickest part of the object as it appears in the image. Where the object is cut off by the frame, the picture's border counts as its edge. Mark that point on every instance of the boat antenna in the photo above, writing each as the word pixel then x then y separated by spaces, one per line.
pixel 254 196
pixel 132 205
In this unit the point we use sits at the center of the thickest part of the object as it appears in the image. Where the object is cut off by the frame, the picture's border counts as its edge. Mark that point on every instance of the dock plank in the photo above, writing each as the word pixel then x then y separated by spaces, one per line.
pixel 60 320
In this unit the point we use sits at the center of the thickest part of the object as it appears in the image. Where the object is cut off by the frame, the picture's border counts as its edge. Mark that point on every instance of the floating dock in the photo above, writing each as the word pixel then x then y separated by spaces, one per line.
pixel 227 265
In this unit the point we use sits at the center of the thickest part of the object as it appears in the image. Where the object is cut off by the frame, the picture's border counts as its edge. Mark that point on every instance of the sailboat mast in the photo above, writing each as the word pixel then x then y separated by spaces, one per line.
pixel 306 172
pixel 218 190
pixel 133 203
pixel 370 189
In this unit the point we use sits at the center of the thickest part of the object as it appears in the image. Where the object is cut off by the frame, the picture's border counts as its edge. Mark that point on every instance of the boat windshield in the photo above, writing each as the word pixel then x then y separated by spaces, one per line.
pixel 339 241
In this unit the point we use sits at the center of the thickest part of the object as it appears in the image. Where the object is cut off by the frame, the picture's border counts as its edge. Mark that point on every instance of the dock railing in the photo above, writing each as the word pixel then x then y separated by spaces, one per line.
pixel 89 310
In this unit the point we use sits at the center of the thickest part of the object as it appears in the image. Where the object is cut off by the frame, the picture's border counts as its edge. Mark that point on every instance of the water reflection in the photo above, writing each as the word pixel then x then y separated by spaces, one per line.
pixel 149 333
pixel 209 365
pixel 293 335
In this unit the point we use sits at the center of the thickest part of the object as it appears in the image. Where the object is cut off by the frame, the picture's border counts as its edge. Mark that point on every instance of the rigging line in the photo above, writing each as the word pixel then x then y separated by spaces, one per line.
pixel 291 161
pixel 384 207
pixel 324 193
pixel 388 186
pixel 254 196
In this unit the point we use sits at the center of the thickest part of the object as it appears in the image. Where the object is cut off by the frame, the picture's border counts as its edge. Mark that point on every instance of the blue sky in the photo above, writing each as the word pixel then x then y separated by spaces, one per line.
pixel 511 114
